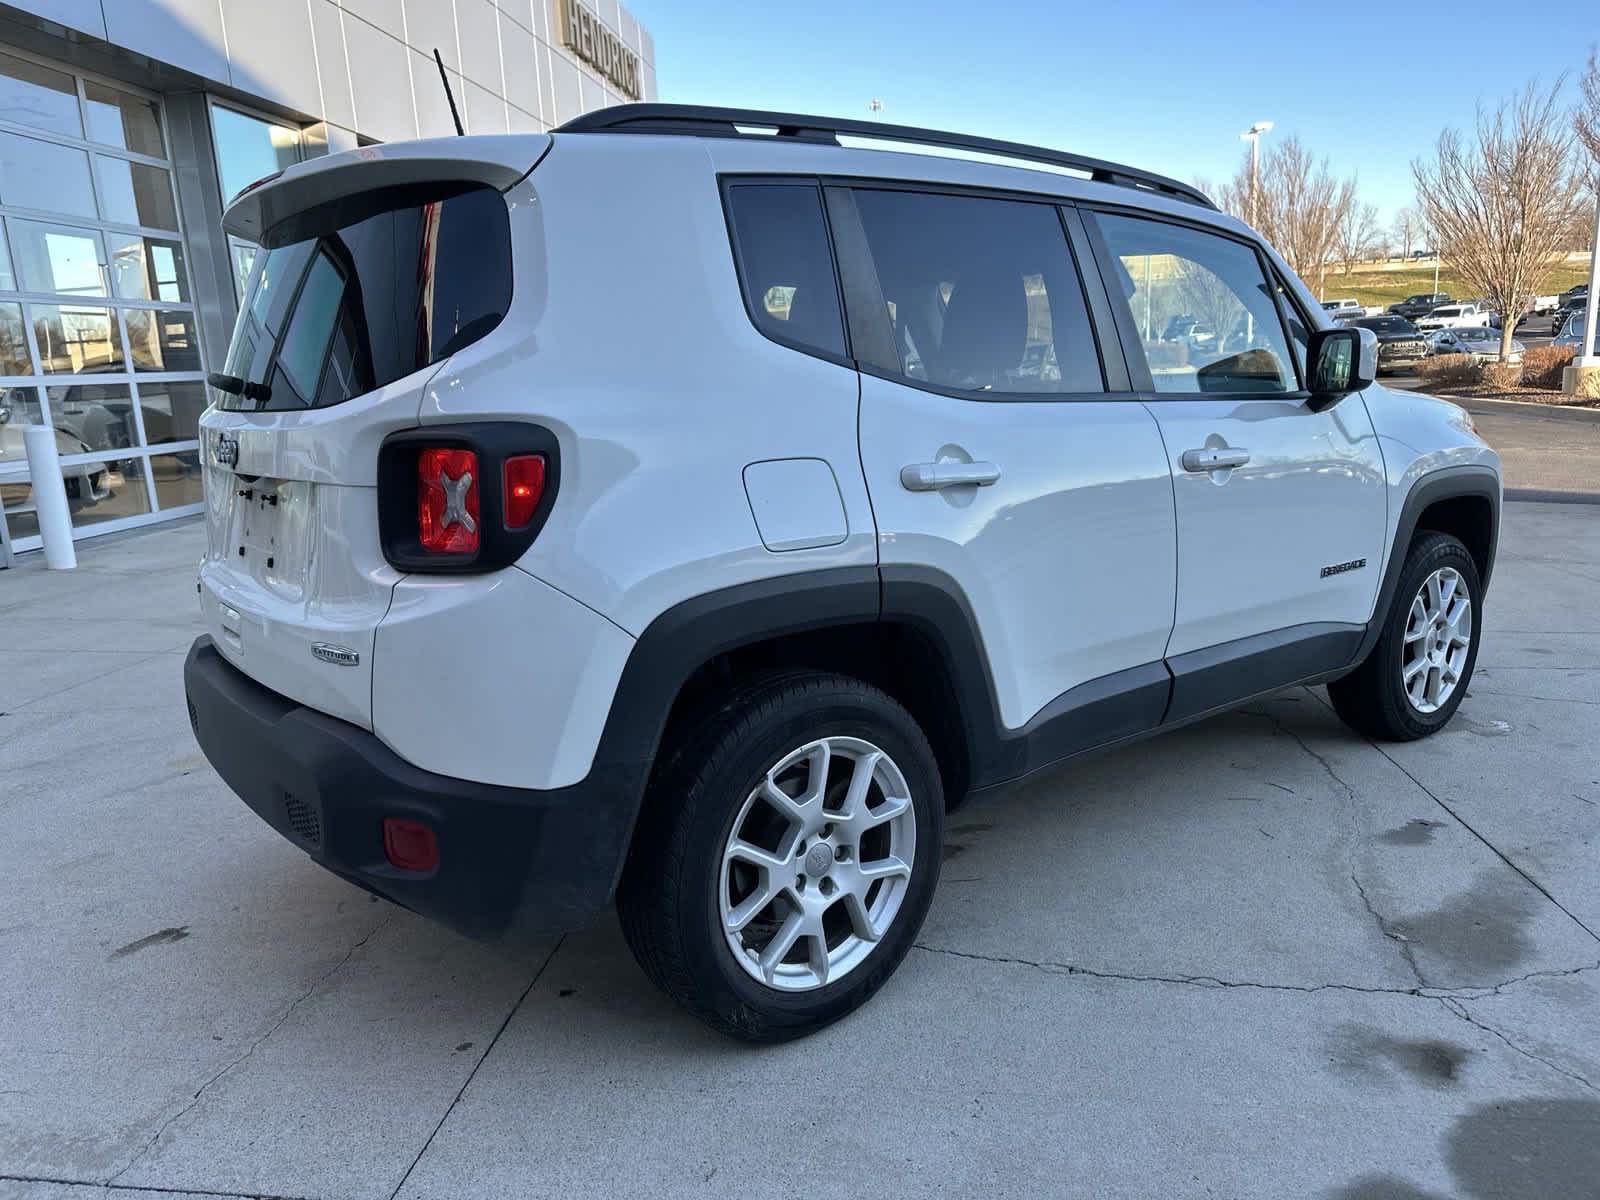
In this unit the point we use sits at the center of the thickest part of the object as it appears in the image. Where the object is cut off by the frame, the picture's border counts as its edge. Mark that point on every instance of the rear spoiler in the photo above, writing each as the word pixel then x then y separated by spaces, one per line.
pixel 314 197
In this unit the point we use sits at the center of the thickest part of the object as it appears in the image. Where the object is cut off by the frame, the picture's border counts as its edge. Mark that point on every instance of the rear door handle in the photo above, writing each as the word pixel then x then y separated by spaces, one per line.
pixel 1215 458
pixel 930 477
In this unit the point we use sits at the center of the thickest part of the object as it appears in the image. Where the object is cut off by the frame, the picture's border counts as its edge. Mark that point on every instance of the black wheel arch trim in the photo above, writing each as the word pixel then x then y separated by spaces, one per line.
pixel 1468 480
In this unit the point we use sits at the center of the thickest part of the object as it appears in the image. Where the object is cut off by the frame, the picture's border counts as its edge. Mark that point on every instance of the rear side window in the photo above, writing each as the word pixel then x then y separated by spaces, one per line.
pixel 785 264
pixel 982 294
pixel 336 316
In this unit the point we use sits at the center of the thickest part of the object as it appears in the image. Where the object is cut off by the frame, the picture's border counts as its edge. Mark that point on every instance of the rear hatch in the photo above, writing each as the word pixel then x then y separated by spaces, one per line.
pixel 375 266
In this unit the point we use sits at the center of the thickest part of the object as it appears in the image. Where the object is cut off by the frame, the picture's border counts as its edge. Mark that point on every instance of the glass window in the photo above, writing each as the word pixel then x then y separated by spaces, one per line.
pixel 171 411
pixel 382 298
pixel 19 406
pixel 35 174
pixel 117 118
pixel 786 266
pixel 57 258
pixel 74 340
pixel 243 254
pixel 162 339
pixel 144 268
pixel 306 342
pixel 105 490
pixel 1202 307
pixel 8 277
pixel 99 415
pixel 982 294
pixel 178 479
pixel 248 148
pixel 37 96
pixel 13 342
pixel 135 194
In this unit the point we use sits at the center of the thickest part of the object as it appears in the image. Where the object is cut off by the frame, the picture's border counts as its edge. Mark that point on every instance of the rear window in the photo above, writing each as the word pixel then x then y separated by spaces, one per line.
pixel 336 316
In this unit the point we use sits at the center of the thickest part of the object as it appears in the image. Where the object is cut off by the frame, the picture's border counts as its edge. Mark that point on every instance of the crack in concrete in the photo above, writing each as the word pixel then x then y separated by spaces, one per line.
pixel 248 1051
pixel 482 1058
pixel 1215 982
pixel 139 1188
pixel 1399 939
pixel 1453 1004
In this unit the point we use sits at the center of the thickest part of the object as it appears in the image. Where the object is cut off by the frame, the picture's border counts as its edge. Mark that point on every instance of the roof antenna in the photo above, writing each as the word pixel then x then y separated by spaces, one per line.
pixel 445 79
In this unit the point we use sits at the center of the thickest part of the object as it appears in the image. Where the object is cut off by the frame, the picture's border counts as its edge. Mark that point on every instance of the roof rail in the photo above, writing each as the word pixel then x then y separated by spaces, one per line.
pixel 695 120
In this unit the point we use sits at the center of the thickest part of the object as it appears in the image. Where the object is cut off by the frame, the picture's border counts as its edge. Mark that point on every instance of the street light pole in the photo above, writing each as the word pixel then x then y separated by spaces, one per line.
pixel 1253 136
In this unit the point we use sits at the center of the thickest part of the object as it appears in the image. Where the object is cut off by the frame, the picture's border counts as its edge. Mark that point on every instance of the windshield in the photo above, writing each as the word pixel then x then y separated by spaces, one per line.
pixel 1387 325
pixel 334 317
pixel 1447 312
pixel 1476 335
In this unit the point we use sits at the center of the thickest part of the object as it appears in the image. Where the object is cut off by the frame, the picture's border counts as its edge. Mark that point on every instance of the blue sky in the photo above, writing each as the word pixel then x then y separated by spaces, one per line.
pixel 1163 85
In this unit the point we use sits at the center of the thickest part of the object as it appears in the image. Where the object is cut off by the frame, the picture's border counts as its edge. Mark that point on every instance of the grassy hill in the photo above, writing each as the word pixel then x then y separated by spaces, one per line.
pixel 1370 283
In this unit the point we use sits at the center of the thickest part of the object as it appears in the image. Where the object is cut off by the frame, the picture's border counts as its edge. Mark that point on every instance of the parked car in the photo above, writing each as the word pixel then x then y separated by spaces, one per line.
pixel 87 481
pixel 1575 293
pixel 1571 331
pixel 1419 305
pixel 1482 343
pixel 1455 316
pixel 1574 307
pixel 1338 308
pixel 505 629
pixel 1400 343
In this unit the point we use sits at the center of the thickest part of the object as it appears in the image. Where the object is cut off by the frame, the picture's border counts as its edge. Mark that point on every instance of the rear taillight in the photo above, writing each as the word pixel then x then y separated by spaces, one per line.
pixel 465 497
pixel 522 488
pixel 447 500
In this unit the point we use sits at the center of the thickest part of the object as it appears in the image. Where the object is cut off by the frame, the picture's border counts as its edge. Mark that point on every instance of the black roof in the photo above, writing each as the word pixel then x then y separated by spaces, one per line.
pixel 694 120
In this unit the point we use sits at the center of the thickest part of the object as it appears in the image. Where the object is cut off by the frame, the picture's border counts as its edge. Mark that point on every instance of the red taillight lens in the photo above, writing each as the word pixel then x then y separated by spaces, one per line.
pixel 409 845
pixel 524 485
pixel 447 500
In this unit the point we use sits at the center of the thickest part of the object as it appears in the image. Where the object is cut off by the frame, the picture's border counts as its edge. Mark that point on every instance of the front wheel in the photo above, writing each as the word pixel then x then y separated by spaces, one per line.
pixel 786 856
pixel 1415 678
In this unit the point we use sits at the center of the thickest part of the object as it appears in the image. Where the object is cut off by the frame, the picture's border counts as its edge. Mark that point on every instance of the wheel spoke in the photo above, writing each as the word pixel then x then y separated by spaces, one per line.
pixel 743 851
pixel 786 805
pixel 1417 624
pixel 855 907
pixel 1435 602
pixel 818 955
pixel 748 908
pixel 1412 667
pixel 855 797
pixel 891 808
pixel 885 868
pixel 782 942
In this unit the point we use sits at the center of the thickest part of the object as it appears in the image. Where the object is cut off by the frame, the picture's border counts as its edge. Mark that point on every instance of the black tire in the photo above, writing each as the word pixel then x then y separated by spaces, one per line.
pixel 668 897
pixel 1372 699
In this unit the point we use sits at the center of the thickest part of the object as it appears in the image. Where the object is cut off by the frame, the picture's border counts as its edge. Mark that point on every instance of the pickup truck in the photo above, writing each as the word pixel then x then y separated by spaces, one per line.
pixel 1456 316
pixel 1419 305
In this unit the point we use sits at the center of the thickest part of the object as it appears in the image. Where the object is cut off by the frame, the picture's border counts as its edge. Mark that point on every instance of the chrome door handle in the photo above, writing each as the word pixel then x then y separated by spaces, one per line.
pixel 930 477
pixel 1215 458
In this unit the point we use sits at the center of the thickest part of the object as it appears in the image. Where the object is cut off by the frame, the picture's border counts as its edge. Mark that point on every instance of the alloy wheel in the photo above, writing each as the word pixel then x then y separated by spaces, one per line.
pixel 1437 638
pixel 817 864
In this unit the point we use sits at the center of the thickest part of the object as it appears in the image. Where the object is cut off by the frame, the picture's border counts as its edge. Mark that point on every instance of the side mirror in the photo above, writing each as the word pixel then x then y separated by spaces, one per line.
pixel 1341 361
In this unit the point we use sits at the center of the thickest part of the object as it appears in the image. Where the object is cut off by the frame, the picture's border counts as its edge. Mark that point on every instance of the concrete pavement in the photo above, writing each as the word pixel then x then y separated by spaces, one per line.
pixel 1258 957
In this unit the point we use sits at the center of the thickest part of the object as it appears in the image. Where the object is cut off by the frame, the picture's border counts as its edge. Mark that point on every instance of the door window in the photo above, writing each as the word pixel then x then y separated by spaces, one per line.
pixel 1202 307
pixel 982 294
pixel 785 265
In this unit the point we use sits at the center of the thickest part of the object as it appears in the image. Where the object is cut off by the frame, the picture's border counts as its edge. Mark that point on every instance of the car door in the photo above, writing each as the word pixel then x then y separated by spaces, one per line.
pixel 999 460
pixel 1281 508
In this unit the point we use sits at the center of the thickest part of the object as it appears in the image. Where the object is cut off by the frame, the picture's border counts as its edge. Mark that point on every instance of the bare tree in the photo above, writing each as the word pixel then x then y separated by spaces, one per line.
pixel 1357 234
pixel 1407 229
pixel 1588 120
pixel 1501 203
pixel 1299 206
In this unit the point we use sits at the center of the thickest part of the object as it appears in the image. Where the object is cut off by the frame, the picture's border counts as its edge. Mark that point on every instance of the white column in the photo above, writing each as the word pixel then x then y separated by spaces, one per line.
pixel 1591 316
pixel 49 497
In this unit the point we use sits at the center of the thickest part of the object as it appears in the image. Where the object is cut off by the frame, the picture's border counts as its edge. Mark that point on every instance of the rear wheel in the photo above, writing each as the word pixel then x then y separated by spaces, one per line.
pixel 1417 674
pixel 786 857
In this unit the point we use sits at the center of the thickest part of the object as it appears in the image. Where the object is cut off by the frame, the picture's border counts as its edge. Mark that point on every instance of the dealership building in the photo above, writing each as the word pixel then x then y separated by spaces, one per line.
pixel 125 125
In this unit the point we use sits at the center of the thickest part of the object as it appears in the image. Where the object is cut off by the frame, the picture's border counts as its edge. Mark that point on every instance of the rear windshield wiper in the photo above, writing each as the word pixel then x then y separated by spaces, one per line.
pixel 235 386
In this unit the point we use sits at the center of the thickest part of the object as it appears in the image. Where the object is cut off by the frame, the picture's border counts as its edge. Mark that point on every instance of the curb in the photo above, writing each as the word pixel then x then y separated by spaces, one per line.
pixel 1541 496
pixel 1561 412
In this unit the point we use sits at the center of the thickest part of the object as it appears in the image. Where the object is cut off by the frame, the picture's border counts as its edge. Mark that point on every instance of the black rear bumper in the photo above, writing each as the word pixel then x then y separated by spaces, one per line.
pixel 511 861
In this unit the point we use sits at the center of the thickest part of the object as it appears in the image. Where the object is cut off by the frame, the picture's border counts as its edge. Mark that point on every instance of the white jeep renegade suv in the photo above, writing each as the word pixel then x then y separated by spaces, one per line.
pixel 683 508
